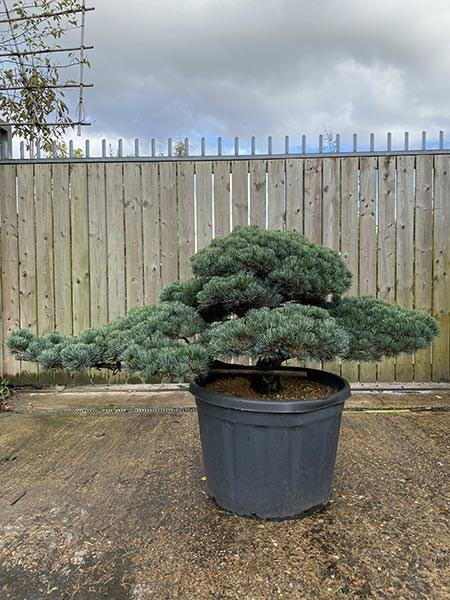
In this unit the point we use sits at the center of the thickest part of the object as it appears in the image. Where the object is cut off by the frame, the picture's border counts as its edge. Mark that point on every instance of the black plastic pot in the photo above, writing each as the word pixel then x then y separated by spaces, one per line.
pixel 270 459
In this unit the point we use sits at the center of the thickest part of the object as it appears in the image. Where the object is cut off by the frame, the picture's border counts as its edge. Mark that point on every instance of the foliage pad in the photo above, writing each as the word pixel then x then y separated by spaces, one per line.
pixel 266 295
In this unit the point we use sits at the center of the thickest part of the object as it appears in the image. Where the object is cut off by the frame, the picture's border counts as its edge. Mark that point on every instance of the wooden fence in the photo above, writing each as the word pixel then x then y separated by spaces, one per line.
pixel 84 241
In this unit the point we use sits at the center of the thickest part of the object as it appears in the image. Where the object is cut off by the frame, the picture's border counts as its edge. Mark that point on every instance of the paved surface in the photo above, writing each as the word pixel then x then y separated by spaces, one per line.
pixel 115 507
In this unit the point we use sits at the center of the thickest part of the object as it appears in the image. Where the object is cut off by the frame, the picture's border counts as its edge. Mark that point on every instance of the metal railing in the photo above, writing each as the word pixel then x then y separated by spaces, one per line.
pixel 181 149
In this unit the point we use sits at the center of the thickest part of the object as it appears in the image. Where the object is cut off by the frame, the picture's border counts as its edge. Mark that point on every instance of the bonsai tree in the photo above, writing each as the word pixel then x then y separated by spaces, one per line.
pixel 266 295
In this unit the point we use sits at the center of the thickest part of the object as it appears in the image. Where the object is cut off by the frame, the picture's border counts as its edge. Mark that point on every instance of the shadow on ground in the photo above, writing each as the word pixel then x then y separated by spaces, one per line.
pixel 115 507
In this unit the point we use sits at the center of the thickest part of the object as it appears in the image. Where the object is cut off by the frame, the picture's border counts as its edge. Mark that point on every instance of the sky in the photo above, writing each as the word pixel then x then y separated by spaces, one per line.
pixel 268 67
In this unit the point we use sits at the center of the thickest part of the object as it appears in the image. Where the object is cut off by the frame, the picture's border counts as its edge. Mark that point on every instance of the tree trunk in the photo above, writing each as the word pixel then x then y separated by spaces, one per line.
pixel 267 384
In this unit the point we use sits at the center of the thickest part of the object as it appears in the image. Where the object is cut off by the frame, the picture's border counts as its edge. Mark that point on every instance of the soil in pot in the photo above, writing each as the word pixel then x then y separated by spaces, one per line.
pixel 293 388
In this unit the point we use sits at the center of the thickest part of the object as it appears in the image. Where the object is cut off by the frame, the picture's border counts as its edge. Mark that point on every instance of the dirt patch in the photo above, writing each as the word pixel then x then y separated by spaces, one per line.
pixel 294 388
pixel 116 508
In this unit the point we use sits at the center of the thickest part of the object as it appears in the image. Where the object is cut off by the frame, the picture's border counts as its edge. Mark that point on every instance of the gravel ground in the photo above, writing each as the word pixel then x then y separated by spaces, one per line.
pixel 115 507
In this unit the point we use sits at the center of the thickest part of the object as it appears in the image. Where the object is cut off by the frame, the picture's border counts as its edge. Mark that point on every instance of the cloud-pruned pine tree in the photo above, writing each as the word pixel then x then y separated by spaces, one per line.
pixel 266 295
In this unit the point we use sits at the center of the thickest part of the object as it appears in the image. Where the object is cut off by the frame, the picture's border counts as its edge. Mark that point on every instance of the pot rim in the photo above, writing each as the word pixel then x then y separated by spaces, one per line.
pixel 342 392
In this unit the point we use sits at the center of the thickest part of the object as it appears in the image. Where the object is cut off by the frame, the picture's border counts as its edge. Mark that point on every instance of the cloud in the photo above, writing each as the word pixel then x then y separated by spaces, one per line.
pixel 272 67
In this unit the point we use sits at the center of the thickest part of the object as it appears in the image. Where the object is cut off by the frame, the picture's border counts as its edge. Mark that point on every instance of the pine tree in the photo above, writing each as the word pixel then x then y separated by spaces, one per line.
pixel 266 295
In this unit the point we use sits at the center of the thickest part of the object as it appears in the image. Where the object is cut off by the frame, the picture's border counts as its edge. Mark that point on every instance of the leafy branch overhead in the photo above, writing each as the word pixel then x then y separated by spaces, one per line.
pixel 267 295
pixel 33 66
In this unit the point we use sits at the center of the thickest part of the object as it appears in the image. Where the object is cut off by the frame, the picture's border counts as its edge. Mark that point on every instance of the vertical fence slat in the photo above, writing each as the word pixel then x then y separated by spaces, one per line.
pixel 441 267
pixel 151 232
pixel 61 245
pixel 203 192
pixel 350 239
pixel 313 199
pixel 132 188
pixel 97 243
pixel 386 248
pixel 331 208
pixel 368 244
pixel 168 212
pixel 276 185
pixel 115 246
pixel 258 193
pixel 239 192
pixel 423 243
pixel 81 302
pixel 10 265
pixel 80 252
pixel 405 252
pixel 115 234
pixel 239 205
pixel 62 255
pixel 186 218
pixel 27 260
pixel 313 211
pixel 44 256
pixel 221 197
pixel 44 249
pixel 294 194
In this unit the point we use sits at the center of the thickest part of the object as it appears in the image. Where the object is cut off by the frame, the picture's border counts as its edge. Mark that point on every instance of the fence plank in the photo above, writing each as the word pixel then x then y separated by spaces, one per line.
pixel 276 184
pixel 10 314
pixel 97 243
pixel 368 244
pixel 405 251
pixel 294 194
pixel 62 256
pixel 423 242
pixel 151 232
pixel 115 235
pixel 132 189
pixel 168 212
pixel 44 256
pixel 313 199
pixel 62 249
pixel 186 218
pixel 331 208
pixel 203 192
pixel 27 260
pixel 44 249
pixel 222 199
pixel 350 239
pixel 441 267
pixel 80 248
pixel 386 247
pixel 313 211
pixel 80 254
pixel 115 248
pixel 239 192
pixel 258 190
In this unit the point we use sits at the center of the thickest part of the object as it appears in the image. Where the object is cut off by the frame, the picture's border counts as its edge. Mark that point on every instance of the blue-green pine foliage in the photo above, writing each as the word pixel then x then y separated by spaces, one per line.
pixel 267 295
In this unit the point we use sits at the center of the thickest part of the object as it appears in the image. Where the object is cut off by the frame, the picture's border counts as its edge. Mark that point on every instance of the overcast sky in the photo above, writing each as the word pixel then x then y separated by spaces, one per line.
pixel 268 67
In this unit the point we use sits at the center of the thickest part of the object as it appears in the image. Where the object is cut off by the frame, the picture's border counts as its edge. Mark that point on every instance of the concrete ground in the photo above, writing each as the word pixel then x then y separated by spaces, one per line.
pixel 115 507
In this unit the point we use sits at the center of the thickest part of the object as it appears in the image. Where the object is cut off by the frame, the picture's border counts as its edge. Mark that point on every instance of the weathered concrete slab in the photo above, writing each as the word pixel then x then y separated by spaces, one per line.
pixel 50 400
pixel 115 507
